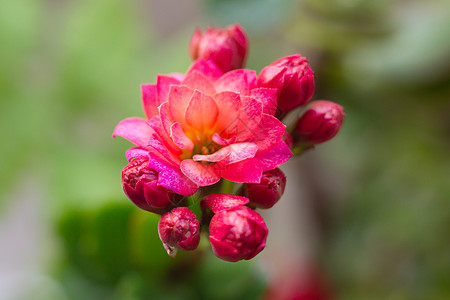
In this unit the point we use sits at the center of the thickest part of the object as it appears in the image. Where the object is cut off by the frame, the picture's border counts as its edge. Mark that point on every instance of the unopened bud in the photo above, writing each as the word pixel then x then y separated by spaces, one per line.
pixel 294 80
pixel 320 122
pixel 140 184
pixel 238 233
pixel 226 47
pixel 266 193
pixel 179 229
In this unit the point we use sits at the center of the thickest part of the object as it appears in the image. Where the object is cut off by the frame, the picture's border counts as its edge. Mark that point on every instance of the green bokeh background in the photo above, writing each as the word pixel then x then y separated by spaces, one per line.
pixel 70 70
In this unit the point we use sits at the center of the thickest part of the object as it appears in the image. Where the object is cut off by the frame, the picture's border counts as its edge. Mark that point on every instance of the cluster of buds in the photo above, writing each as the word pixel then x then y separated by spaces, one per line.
pixel 216 126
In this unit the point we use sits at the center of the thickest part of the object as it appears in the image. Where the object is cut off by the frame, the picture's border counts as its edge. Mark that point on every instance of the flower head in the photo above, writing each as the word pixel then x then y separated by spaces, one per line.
pixel 266 193
pixel 179 229
pixel 226 47
pixel 320 122
pixel 293 79
pixel 140 184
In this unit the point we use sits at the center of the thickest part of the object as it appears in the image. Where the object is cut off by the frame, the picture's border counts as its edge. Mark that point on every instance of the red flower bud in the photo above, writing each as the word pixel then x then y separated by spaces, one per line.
pixel 294 80
pixel 140 184
pixel 266 193
pixel 236 234
pixel 226 47
pixel 179 229
pixel 320 122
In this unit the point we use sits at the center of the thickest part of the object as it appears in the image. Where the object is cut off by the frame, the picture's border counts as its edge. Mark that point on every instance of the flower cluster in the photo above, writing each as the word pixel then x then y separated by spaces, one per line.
pixel 215 126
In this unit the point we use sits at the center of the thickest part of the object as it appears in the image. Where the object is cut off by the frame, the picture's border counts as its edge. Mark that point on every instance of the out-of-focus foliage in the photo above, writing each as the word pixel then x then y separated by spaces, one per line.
pixel 71 69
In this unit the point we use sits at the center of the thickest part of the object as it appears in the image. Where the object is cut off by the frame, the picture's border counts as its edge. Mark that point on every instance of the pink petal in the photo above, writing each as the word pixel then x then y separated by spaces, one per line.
pixel 136 130
pixel 165 117
pixel 150 100
pixel 275 157
pixel 215 157
pixel 156 124
pixel 179 97
pixel 221 141
pixel 179 137
pixel 135 152
pixel 163 84
pixel 201 112
pixel 239 152
pixel 201 174
pixel 159 147
pixel 268 97
pixel 220 202
pixel 171 178
pixel 248 170
pixel 223 250
pixel 207 68
pixel 268 133
pixel 239 81
pixel 250 116
pixel 227 120
pixel 197 81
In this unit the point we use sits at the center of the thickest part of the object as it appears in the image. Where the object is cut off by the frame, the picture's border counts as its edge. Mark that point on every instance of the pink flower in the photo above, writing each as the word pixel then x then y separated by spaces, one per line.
pixel 139 183
pixel 294 80
pixel 179 229
pixel 266 193
pixel 206 127
pixel 320 122
pixel 226 47
pixel 236 232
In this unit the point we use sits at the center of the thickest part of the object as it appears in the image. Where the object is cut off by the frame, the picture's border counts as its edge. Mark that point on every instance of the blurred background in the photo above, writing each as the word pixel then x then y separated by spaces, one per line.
pixel 364 216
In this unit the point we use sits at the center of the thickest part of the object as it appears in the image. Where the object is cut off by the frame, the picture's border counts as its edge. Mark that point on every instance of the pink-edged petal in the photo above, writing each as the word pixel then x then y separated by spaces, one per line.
pixel 248 170
pixel 178 76
pixel 135 152
pixel 224 250
pixel 164 115
pixel 171 177
pixel 207 68
pixel 179 97
pixel 227 121
pixel 159 147
pixel 215 157
pixel 268 133
pixel 239 152
pixel 136 130
pixel 220 202
pixel 156 124
pixel 163 84
pixel 197 81
pixel 201 112
pixel 275 157
pixel 179 137
pixel 239 81
pixel 221 141
pixel 149 100
pixel 250 116
pixel 268 98
pixel 271 76
pixel 201 174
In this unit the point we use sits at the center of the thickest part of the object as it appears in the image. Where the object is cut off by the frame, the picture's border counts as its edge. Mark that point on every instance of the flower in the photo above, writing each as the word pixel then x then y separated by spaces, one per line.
pixel 206 127
pixel 236 232
pixel 320 122
pixel 179 229
pixel 140 184
pixel 226 47
pixel 266 193
pixel 293 79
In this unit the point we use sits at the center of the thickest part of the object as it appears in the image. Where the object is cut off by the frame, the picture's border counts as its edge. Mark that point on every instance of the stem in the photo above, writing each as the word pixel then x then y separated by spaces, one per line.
pixel 227 186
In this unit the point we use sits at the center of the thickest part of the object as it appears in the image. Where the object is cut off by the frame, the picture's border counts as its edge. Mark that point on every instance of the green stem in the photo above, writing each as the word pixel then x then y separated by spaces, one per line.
pixel 227 186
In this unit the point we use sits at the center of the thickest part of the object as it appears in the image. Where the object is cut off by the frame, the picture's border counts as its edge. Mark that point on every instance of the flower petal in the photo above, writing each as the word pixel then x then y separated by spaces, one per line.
pixel 248 170
pixel 201 174
pixel 268 97
pixel 275 157
pixel 179 97
pixel 221 141
pixel 219 202
pixel 156 124
pixel 267 134
pixel 135 152
pixel 229 104
pixel 179 137
pixel 207 68
pixel 197 81
pixel 239 81
pixel 201 112
pixel 163 84
pixel 136 130
pixel 239 152
pixel 150 99
pixel 215 157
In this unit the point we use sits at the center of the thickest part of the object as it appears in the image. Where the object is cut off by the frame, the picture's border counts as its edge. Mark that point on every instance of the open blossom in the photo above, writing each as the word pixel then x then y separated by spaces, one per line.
pixel 205 126
pixel 294 80
pixel 226 47
pixel 236 232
